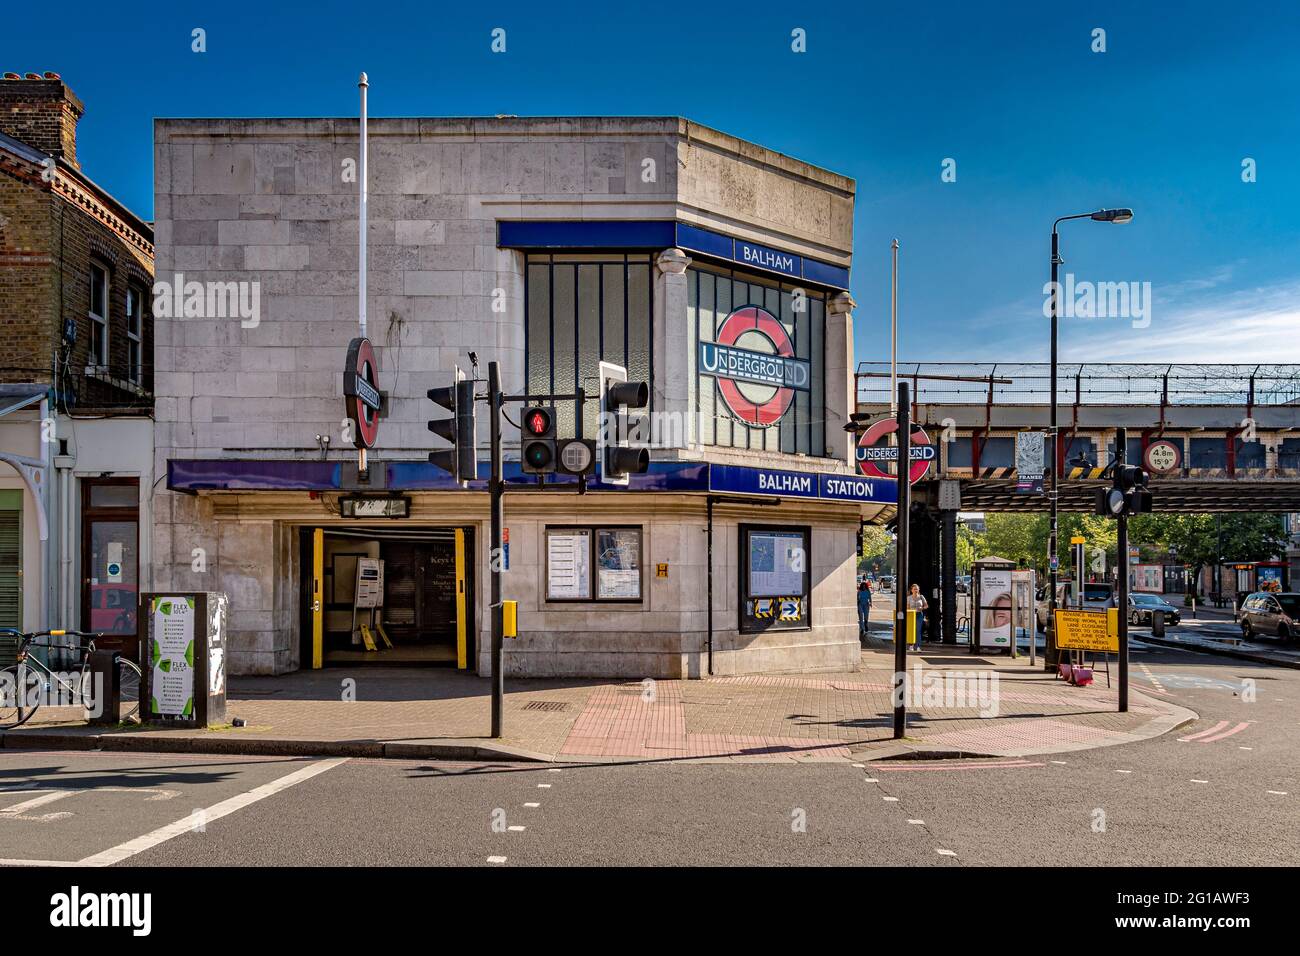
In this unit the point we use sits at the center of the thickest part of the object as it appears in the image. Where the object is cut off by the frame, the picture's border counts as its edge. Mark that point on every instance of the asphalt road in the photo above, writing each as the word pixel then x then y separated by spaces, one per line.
pixel 1221 791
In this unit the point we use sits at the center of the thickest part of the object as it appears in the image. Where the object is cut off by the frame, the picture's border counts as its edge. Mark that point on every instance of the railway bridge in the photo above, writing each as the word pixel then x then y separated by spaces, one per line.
pixel 1214 438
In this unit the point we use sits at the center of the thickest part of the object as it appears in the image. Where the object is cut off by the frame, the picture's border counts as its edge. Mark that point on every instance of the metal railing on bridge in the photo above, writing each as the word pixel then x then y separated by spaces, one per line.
pixel 1110 383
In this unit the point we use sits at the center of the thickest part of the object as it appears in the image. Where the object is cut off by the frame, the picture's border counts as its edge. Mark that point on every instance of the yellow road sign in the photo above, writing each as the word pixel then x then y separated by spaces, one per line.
pixel 1085 631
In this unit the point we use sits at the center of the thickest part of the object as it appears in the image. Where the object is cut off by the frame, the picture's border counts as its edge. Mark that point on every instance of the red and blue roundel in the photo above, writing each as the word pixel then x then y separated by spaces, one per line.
pixel 879 459
pixel 362 398
pixel 755 335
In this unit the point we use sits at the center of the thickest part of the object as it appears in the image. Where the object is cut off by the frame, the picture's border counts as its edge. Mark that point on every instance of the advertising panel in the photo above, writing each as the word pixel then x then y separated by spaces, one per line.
pixel 995 607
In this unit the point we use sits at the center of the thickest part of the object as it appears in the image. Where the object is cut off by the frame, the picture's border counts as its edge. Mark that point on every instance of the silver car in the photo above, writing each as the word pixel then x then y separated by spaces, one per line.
pixel 1272 614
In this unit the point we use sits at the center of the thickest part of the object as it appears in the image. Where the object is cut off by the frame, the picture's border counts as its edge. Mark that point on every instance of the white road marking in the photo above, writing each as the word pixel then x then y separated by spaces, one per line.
pixel 1277 793
pixel 1061 762
pixel 209 814
pixel 543 786
pixel 917 823
pixel 36 802
pixel 891 799
pixel 496 859
pixel 944 852
pixel 1123 771
pixel 1200 781
pixel 532 804
pixel 870 780
pixel 1245 748
pixel 554 770
pixel 516 829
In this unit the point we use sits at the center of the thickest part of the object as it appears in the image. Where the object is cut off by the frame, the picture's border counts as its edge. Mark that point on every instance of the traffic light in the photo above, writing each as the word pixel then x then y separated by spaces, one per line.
pixel 460 459
pixel 617 460
pixel 538 434
pixel 577 456
pixel 1128 493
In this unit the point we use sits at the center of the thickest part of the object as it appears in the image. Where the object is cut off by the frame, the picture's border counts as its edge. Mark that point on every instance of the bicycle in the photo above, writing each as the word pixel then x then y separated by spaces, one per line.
pixel 23 686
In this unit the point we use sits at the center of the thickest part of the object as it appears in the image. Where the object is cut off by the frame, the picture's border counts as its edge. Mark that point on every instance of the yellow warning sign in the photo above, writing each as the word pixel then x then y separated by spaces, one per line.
pixel 1085 631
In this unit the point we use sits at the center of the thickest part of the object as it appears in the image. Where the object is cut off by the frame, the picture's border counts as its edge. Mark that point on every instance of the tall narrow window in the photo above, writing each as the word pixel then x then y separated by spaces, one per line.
pixel 134 334
pixel 98 315
pixel 757 361
pixel 584 308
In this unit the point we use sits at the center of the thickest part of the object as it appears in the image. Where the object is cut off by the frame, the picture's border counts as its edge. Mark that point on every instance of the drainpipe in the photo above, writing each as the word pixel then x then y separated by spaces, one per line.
pixel 48 556
pixel 66 618
pixel 709 533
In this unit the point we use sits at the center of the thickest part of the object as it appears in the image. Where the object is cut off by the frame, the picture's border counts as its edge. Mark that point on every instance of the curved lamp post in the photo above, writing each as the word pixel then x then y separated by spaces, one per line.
pixel 1050 656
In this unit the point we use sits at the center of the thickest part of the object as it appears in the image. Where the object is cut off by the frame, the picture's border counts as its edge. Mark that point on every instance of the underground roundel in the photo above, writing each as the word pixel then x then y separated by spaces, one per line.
pixel 877 458
pixel 755 366
pixel 361 392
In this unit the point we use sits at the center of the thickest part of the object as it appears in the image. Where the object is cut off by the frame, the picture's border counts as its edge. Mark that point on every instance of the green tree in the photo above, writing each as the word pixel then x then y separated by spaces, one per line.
pixel 1201 540
pixel 877 549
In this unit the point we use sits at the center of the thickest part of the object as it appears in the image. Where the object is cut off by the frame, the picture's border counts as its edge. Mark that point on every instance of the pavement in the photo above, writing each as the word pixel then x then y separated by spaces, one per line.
pixel 967 706
pixel 1220 791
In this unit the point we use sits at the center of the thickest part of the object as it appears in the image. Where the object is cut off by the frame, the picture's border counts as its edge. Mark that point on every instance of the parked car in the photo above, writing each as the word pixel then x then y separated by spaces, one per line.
pixel 1141 607
pixel 112 608
pixel 1096 596
pixel 963 584
pixel 1270 613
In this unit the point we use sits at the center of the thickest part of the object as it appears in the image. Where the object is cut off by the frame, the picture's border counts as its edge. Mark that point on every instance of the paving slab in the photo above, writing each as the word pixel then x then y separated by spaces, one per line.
pixel 963 706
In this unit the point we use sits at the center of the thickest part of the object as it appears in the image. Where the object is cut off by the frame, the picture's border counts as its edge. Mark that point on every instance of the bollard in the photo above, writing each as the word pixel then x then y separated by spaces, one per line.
pixel 1157 623
pixel 104 694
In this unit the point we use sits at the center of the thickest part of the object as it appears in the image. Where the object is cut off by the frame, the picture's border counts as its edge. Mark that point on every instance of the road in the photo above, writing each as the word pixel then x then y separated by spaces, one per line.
pixel 1224 790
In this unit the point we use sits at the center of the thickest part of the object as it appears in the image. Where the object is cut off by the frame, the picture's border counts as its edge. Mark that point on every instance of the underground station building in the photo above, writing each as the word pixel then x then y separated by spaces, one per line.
pixel 714 269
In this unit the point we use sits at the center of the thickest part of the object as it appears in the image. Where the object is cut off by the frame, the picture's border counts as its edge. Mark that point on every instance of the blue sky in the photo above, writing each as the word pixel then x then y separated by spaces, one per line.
pixel 1039 126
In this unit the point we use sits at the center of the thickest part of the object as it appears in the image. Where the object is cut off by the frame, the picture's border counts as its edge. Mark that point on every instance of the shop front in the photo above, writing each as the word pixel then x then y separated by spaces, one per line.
pixel 694 569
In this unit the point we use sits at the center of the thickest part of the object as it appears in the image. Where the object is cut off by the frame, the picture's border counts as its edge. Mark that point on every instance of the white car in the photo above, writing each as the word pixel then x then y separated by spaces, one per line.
pixel 1096 595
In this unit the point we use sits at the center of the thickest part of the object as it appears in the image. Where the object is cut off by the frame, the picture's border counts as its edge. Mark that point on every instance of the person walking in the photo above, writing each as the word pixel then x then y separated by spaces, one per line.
pixel 916 602
pixel 864 610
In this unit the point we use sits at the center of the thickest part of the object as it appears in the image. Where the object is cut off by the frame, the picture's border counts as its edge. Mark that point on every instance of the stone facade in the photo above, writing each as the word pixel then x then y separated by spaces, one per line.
pixel 271 202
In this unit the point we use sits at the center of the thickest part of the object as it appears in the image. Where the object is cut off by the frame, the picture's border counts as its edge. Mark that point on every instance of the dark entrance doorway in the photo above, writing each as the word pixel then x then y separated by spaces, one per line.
pixel 427 610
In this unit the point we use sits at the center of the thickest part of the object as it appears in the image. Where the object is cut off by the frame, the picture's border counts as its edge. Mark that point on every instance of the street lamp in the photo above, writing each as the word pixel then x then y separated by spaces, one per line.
pixel 1050 656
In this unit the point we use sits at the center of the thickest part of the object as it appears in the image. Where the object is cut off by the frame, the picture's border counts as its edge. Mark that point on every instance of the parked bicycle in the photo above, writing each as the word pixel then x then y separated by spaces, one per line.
pixel 24 686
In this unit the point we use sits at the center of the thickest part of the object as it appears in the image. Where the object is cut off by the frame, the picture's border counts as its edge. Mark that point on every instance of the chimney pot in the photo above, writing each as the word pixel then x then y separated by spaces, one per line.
pixel 43 113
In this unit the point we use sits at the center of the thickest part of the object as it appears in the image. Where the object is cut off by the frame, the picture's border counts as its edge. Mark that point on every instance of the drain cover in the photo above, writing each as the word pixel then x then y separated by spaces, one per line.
pixel 546 705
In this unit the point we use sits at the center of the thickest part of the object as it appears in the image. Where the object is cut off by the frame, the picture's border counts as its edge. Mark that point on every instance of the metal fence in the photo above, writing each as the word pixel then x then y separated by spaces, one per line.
pixel 962 383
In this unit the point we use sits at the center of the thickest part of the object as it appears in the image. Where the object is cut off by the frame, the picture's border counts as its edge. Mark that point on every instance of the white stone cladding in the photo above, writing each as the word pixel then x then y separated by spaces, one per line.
pixel 267 201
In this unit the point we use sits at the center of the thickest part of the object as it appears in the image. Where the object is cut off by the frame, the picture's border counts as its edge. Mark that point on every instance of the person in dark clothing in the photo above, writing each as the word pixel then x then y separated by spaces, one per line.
pixel 864 609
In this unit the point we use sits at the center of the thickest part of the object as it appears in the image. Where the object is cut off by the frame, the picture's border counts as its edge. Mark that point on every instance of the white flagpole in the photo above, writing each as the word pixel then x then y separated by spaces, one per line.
pixel 361 216
pixel 893 337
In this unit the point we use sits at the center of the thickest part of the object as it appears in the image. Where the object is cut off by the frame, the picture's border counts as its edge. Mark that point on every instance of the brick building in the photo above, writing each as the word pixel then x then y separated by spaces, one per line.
pixel 76 383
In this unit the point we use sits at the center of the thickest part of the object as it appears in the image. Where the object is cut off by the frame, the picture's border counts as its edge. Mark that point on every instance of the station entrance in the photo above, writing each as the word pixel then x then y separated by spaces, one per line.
pixel 379 595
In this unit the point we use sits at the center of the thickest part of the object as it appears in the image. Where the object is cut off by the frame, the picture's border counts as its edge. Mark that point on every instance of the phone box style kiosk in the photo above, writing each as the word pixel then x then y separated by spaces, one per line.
pixel 184 642
pixel 991 627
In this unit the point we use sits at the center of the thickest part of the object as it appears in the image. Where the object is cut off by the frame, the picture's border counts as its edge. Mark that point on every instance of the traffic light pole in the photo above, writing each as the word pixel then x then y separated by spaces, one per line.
pixel 1121 583
pixel 1051 657
pixel 901 587
pixel 496 490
